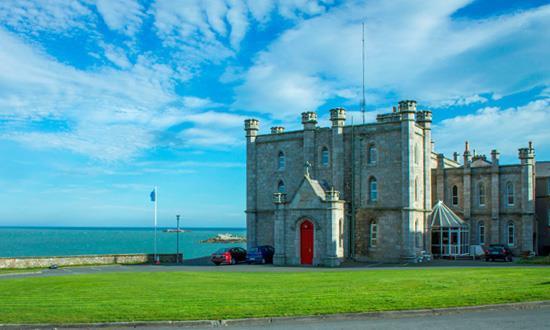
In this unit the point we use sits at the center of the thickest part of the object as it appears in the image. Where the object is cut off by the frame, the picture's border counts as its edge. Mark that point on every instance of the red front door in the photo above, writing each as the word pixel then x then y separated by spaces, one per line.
pixel 306 243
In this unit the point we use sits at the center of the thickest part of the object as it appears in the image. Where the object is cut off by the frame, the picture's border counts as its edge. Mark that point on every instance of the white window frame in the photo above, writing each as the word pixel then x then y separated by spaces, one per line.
pixel 373 234
pixel 481 188
pixel 480 237
pixel 511 225
pixel 510 193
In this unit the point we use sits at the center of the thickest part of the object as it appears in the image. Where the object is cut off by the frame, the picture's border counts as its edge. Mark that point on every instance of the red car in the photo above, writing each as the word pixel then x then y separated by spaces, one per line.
pixel 230 256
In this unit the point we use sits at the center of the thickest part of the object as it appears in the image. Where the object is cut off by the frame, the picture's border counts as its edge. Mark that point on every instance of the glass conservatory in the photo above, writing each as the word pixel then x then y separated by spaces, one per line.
pixel 450 234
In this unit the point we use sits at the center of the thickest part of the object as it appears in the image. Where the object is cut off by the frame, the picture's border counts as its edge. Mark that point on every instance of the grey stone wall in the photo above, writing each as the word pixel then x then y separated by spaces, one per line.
pixel 102 259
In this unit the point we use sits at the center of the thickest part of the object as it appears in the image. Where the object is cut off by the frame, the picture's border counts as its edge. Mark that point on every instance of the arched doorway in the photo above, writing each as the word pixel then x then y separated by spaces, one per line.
pixel 306 243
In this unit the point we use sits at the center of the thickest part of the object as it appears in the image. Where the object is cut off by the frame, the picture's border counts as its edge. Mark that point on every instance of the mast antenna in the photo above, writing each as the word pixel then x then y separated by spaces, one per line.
pixel 363 62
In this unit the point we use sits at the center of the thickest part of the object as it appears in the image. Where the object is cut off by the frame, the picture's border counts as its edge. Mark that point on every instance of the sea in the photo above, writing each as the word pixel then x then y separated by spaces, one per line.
pixel 65 241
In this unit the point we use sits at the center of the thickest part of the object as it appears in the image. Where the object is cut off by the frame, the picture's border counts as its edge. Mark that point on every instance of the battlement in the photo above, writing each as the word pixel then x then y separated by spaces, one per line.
pixel 277 130
pixel 527 154
pixel 251 127
pixel 407 106
pixel 424 116
pixel 332 195
pixel 279 198
pixel 309 117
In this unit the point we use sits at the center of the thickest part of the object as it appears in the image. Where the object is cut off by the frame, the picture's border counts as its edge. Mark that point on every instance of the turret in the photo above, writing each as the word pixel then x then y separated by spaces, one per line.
pixel 527 155
pixel 332 195
pixel 467 154
pixel 309 120
pixel 424 118
pixel 277 130
pixel 251 127
pixel 407 108
pixel 495 157
pixel 338 117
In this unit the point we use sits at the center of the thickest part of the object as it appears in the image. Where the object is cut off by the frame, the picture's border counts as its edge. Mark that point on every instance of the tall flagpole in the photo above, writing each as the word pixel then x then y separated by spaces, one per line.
pixel 156 199
pixel 363 62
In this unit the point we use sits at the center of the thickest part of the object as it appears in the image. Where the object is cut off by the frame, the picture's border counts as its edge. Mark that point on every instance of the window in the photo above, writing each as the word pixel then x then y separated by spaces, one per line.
pixel 416 189
pixel 481 233
pixel 373 233
pixel 281 187
pixel 341 233
pixel 416 154
pixel 282 161
pixel 511 233
pixel 417 235
pixel 324 156
pixel 455 195
pixel 548 217
pixel 373 190
pixel 510 193
pixel 481 194
pixel 372 154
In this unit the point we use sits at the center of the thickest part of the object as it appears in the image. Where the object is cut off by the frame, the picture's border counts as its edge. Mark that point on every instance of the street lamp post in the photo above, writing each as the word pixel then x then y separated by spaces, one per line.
pixel 178 239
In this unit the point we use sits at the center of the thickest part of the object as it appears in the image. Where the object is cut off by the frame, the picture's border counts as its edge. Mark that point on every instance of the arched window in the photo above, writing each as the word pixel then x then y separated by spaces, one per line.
pixel 417 235
pixel 341 233
pixel 373 233
pixel 416 189
pixel 455 195
pixel 281 161
pixel 281 187
pixel 510 193
pixel 373 190
pixel 481 194
pixel 372 154
pixel 511 233
pixel 481 233
pixel 324 156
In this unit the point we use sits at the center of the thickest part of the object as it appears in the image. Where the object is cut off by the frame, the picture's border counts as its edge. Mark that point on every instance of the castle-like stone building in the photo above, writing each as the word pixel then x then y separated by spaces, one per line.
pixel 322 195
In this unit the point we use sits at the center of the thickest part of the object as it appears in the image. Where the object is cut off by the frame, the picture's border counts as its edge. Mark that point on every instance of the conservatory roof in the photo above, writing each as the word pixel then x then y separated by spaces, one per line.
pixel 444 217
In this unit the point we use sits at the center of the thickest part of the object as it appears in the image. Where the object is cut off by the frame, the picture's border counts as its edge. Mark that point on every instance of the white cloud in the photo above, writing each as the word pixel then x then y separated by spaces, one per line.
pixel 413 50
pixel 193 102
pixel 125 16
pixel 30 16
pixel 503 129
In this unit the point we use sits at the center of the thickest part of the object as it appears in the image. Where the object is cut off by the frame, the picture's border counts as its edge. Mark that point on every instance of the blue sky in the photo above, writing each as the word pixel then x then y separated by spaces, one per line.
pixel 100 100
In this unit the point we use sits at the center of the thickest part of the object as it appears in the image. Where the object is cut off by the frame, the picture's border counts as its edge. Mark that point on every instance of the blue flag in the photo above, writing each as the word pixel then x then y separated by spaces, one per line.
pixel 153 195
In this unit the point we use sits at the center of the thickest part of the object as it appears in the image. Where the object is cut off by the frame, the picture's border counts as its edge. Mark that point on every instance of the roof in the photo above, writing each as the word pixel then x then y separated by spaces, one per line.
pixel 444 217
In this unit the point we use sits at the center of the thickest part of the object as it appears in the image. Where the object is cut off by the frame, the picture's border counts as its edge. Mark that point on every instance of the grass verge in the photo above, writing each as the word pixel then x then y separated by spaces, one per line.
pixel 214 295
pixel 536 261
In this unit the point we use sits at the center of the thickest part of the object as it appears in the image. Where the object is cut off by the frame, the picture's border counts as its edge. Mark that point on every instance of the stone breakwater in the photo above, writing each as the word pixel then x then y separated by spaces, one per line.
pixel 95 259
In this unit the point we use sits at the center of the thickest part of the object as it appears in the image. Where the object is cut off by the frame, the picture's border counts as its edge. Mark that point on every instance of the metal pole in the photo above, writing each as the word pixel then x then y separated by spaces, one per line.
pixel 178 240
pixel 156 199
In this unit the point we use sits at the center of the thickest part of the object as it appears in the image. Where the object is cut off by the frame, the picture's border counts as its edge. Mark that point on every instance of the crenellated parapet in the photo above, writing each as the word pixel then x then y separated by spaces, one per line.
pixel 332 195
pixel 251 127
pixel 338 117
pixel 407 106
pixel 309 120
pixel 527 155
pixel 277 130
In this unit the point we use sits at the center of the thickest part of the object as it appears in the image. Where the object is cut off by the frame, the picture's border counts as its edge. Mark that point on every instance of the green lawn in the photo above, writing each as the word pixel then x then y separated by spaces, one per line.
pixel 216 295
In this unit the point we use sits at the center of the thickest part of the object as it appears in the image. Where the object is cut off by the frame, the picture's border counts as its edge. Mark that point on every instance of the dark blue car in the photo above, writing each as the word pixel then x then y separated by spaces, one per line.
pixel 260 255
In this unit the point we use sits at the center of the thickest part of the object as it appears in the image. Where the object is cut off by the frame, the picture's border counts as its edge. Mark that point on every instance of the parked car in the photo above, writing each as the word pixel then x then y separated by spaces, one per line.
pixel 230 256
pixel 260 255
pixel 498 251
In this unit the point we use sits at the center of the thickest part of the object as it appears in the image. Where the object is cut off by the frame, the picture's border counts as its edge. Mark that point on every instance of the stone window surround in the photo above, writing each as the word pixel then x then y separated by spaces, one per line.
pixel 454 195
pixel 281 160
pixel 481 193
pixel 373 234
pixel 372 154
pixel 480 230
pixel 511 229
pixel 325 151
pixel 373 182
pixel 510 194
